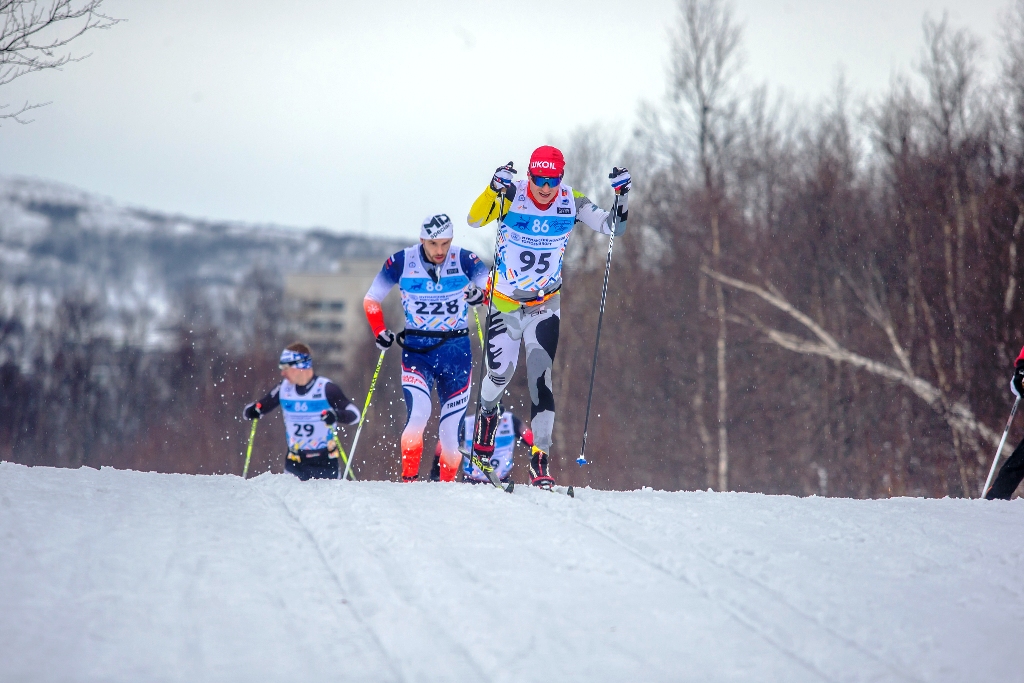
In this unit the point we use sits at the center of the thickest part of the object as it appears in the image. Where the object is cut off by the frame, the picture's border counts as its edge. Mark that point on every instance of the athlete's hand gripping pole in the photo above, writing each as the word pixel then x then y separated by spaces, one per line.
pixel 362 418
pixel 248 451
pixel 999 451
pixel 582 460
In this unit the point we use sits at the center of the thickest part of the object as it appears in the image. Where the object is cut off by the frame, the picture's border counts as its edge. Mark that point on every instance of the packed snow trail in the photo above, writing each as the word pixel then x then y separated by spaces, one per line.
pixel 126 576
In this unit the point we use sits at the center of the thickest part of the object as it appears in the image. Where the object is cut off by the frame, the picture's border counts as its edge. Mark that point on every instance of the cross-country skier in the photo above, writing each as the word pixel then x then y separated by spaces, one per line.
pixel 537 216
pixel 312 405
pixel 438 282
pixel 1012 471
pixel 510 430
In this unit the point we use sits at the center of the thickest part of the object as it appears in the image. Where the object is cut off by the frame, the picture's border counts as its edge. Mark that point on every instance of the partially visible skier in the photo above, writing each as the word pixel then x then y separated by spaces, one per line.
pixel 1012 471
pixel 510 430
pixel 536 217
pixel 312 405
pixel 438 282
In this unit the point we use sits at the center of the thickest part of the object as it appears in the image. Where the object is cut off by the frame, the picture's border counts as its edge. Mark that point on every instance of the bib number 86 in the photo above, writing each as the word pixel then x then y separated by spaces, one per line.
pixel 529 260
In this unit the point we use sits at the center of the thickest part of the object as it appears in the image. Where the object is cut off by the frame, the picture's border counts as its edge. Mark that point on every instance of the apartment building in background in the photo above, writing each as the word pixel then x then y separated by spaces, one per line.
pixel 327 309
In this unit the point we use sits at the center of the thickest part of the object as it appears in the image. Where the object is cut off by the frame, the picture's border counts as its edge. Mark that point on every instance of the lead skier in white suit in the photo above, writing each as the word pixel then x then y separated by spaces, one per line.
pixel 534 223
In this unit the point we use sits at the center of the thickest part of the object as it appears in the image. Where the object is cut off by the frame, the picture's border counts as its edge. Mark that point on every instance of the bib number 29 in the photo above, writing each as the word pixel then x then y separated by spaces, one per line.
pixel 304 430
pixel 529 260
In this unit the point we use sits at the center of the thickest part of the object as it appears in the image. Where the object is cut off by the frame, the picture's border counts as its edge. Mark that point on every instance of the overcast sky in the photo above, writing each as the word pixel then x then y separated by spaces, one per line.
pixel 367 116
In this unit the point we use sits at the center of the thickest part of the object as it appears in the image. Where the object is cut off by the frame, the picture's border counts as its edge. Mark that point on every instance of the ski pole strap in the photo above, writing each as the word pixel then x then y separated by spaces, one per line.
pixel 248 451
pixel 434 334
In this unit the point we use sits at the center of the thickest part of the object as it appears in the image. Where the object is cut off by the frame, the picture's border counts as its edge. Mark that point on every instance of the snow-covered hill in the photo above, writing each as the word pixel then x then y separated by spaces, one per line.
pixel 124 576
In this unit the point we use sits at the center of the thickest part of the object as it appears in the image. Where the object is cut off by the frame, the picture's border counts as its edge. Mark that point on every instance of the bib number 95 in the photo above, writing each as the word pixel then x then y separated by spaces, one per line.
pixel 530 260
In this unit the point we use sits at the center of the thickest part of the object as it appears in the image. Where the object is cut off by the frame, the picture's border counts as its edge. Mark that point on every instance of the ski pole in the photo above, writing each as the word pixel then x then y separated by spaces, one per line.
pixel 248 451
pixel 999 451
pixel 341 451
pixel 486 339
pixel 362 418
pixel 479 329
pixel 582 460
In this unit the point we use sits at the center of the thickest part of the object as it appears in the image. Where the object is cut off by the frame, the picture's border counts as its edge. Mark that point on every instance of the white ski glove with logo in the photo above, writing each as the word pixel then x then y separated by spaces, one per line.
pixel 502 179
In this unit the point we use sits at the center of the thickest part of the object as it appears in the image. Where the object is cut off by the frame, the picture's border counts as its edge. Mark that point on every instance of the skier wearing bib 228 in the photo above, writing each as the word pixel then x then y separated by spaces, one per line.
pixel 438 282
pixel 537 216
pixel 311 405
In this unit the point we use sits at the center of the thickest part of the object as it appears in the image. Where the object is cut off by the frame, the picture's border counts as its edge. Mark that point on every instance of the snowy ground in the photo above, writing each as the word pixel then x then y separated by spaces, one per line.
pixel 126 576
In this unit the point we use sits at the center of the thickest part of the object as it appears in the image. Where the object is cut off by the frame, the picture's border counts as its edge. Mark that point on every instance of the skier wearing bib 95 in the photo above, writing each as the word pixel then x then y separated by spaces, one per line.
pixel 311 406
pixel 439 282
pixel 535 218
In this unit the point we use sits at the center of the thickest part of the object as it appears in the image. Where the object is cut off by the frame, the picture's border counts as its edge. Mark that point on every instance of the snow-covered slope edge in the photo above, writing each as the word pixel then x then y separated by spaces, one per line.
pixel 125 576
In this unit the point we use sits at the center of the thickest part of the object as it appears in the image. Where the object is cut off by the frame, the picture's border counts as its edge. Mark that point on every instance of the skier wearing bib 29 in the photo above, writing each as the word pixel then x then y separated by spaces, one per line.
pixel 311 405
pixel 438 282
pixel 535 217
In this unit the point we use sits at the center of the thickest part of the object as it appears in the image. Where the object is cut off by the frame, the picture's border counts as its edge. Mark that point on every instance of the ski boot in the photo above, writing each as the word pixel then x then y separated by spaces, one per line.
pixel 409 480
pixel 483 440
pixel 539 474
pixel 435 469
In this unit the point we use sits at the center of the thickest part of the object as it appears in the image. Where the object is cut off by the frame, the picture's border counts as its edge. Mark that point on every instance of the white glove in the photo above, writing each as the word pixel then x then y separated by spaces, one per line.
pixel 502 179
pixel 474 295
pixel 620 180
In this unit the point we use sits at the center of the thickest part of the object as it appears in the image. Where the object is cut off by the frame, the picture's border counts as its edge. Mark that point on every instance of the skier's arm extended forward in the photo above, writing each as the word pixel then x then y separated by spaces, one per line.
pixel 264 405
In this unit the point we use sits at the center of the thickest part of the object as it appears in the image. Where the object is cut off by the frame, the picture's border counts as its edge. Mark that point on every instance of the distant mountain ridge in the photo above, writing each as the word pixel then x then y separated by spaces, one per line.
pixel 56 240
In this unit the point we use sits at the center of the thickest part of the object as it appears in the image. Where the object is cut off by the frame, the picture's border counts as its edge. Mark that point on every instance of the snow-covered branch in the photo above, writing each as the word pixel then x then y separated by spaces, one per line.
pixel 957 415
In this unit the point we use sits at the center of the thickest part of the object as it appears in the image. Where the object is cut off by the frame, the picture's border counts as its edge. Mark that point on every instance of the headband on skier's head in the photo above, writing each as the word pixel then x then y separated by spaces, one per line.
pixel 437 227
pixel 295 359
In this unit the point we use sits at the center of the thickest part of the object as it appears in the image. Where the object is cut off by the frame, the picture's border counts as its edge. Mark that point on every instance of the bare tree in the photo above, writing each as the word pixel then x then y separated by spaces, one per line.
pixel 704 68
pixel 35 34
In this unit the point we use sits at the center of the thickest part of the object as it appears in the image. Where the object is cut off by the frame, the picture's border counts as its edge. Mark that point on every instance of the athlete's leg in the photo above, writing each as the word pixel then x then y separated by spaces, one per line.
pixel 540 336
pixel 505 333
pixel 454 363
pixel 417 381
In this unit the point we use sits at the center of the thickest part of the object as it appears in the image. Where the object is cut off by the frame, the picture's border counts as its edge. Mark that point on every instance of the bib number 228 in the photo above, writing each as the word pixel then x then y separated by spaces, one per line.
pixel 437 307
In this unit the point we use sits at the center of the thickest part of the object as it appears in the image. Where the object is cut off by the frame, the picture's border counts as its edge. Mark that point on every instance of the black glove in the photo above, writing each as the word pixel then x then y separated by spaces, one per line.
pixel 502 179
pixel 385 339
pixel 621 181
pixel 1017 381
pixel 252 411
pixel 329 416
pixel 474 295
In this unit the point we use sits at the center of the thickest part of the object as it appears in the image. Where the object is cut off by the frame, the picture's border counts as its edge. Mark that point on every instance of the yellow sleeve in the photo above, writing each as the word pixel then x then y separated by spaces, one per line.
pixel 485 209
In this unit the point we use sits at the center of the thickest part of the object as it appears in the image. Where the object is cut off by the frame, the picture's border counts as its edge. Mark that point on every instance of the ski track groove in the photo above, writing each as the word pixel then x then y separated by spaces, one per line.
pixel 778 596
pixel 729 607
pixel 397 674
pixel 467 654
